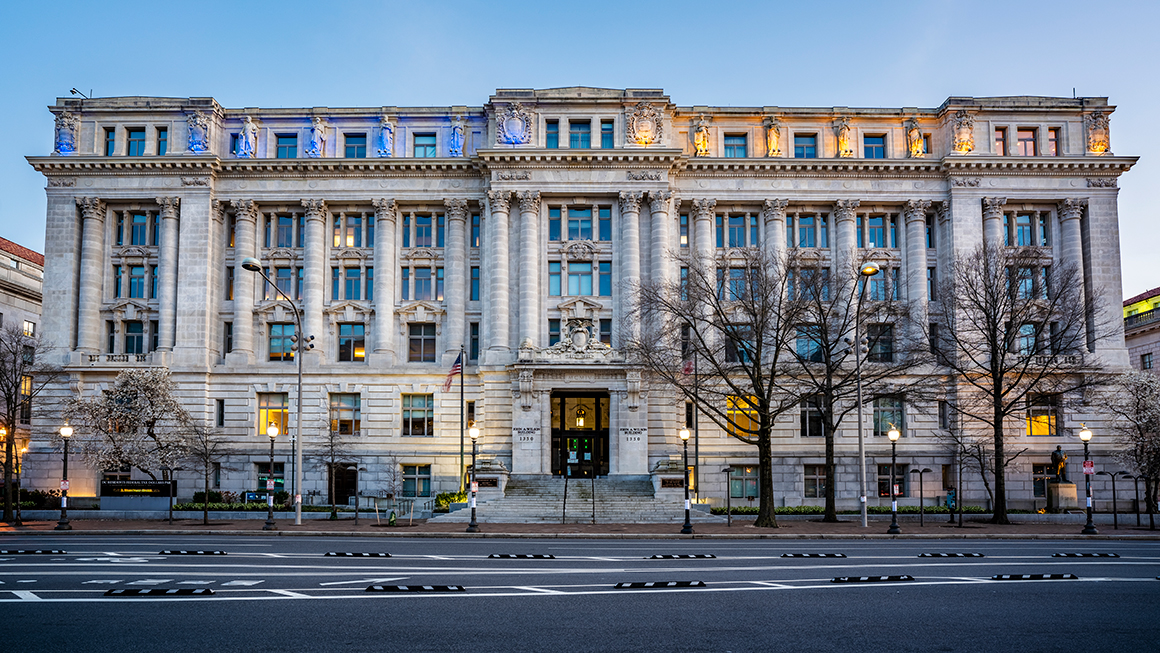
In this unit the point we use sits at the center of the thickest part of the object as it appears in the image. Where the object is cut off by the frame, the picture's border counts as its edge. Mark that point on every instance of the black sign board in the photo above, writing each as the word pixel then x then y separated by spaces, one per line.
pixel 138 488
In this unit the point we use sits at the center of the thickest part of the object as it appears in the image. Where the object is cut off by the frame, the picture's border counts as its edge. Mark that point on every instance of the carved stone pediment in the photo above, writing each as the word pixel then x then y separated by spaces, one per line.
pixel 419 312
pixel 808 254
pixel 735 254
pixel 273 311
pixel 349 310
pixel 129 309
pixel 281 254
pixel 133 252
pixel 350 253
pixel 579 307
pixel 421 253
pixel 579 250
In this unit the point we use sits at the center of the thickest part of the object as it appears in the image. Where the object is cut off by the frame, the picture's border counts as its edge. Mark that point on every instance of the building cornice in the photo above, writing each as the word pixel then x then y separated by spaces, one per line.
pixel 119 166
pixel 1038 165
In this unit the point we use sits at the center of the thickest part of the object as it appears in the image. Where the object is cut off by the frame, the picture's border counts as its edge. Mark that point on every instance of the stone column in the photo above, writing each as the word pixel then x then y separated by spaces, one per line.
pixel 846 238
pixel 661 263
pixel 1071 242
pixel 167 292
pixel 703 243
pixel 316 273
pixel 386 267
pixel 993 220
pixel 629 262
pixel 773 219
pixel 916 264
pixel 245 244
pixel 529 267
pixel 93 264
pixel 58 317
pixel 455 291
pixel 499 291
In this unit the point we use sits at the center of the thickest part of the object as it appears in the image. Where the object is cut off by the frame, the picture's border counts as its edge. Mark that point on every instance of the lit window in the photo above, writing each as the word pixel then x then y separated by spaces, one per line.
pixel 421 343
pixel 741 416
pixel 1042 415
pixel 345 413
pixel 351 343
pixel 281 342
pixel 1000 141
pixel 272 409
pixel 1054 146
pixel 419 415
pixel 1026 145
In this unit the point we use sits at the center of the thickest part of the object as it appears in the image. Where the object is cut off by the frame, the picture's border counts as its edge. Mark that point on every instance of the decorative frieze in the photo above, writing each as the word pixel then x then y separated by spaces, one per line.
pixel 966 182
pixel 1105 182
pixel 643 175
pixel 513 175
pixel 645 125
pixel 62 182
pixel 195 181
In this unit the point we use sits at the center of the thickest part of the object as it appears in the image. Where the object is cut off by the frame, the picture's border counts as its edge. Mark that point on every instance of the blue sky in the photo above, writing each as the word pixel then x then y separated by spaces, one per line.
pixel 307 54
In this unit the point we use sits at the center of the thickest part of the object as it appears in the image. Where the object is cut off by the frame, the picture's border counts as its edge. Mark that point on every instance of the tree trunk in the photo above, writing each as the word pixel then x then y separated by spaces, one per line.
pixel 333 505
pixel 831 472
pixel 9 450
pixel 205 505
pixel 766 517
pixel 999 512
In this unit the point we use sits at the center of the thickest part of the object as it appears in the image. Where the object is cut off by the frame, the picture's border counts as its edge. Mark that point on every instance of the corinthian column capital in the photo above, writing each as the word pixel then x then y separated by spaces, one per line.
pixel 630 201
pixel 916 210
pixel 92 208
pixel 500 200
pixel 658 201
pixel 385 209
pixel 456 208
pixel 993 207
pixel 169 206
pixel 1071 208
pixel 844 209
pixel 703 208
pixel 773 210
pixel 245 210
pixel 315 209
pixel 529 201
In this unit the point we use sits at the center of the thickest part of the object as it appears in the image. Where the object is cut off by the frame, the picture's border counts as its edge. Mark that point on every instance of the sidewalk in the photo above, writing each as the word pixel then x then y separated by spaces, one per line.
pixel 848 528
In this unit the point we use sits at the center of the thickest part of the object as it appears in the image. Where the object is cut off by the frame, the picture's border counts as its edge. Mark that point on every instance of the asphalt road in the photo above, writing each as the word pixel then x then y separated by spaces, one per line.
pixel 284 594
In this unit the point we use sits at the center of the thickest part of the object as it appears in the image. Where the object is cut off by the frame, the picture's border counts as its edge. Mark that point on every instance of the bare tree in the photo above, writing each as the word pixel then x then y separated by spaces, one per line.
pixel 138 422
pixel 730 320
pixel 333 451
pixel 1135 401
pixel 206 450
pixel 1014 329
pixel 23 377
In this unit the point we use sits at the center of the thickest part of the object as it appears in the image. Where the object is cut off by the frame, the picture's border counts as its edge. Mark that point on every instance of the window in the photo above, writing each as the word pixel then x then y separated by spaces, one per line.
pixel 741 416
pixel 439 284
pixel 553 331
pixel 155 232
pixel 1027 340
pixel 605 278
pixel 737 347
pixel 876 231
pixel 231 229
pixel 554 278
pixel 279 476
pixel 154 335
pixel 579 224
pixel 116 281
pixel 1146 361
pixel 881 343
pixel 425 146
pixel 606 331
pixel 931 284
pixel 416 480
pixel 234 144
pixel 153 282
pixel 219 411
pixel 162 141
pixel 811 417
pixel 352 286
pixel 605 215
pixel 423 289
pixel 888 414
pixel 944 415
pixel 900 479
pixel 475 230
pixel 1026 142
pixel 579 278
pixel 406 284
pixel 134 337
pixel 422 231
pixel 217 475
pixel 110 141
pixel 874 147
pixel 553 224
pixel 287 146
pixel 345 413
pixel 139 229
pixel 808 346
pixel 281 342
pixel 1000 141
pixel 1041 475
pixel 284 231
pixel 736 147
pixel 743 483
pixel 111 332
pixel 935 341
pixel 815 479
pixel 273 408
pixel 283 278
pixel 1053 142
pixel 1042 413
pixel 606 134
pixel 227 337
pixel 930 233
pixel 419 415
pixel 552 134
pixel 805 147
pixel 351 343
pixel 137 281
pixel 684 230
pixel 406 230
pixel 136 142
pixel 356 146
pixel 298 285
pixel 370 284
pixel 474 296
pixel 580 135
pixel 473 341
pixel 421 345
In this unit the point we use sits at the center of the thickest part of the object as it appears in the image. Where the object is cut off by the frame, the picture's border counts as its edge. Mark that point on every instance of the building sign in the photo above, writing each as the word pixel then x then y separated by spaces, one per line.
pixel 672 482
pixel 633 434
pixel 138 488
pixel 487 482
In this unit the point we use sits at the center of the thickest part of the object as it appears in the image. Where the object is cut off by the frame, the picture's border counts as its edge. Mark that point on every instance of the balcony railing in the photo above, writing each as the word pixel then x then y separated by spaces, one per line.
pixel 1141 318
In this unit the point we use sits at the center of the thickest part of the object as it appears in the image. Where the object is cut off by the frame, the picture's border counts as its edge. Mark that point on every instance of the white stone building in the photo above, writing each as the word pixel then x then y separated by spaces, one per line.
pixel 406 234
pixel 21 279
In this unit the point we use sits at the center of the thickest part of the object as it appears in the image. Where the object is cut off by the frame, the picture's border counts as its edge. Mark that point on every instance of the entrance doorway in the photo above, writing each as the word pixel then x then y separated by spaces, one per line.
pixel 580 433
pixel 345 482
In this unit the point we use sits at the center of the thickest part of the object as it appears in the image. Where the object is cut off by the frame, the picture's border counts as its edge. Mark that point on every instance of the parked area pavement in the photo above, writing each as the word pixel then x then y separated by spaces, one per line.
pixel 849 527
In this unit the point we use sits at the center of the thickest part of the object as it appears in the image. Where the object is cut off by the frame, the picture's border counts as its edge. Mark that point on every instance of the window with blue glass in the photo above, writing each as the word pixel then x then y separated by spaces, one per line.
pixel 287 146
pixel 134 337
pixel 737 231
pixel 605 217
pixel 809 345
pixel 406 230
pixel 352 286
pixel 579 278
pixel 370 284
pixel 425 146
pixel 552 134
pixel 473 341
pixel 422 231
pixel 579 224
pixel 139 229
pixel 554 278
pixel 553 331
pixel 605 278
pixel 475 230
pixel 281 343
pixel 736 146
pixel 406 283
pixel 474 283
pixel 356 146
pixel 874 147
pixel 110 141
pixel 283 278
pixel 554 224
pixel 153 282
pixel 135 142
pixel 351 343
pixel 580 135
pixel 423 287
pixel 684 230
pixel 162 140
pixel 137 282
pixel 877 231
pixel 805 147
pixel 606 132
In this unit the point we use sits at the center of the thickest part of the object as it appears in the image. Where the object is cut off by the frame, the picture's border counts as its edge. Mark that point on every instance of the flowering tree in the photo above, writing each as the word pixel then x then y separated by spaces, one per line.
pixel 1136 405
pixel 23 376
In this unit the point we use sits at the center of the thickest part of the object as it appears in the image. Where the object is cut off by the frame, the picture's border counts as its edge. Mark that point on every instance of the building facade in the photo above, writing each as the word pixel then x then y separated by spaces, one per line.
pixel 1142 329
pixel 21 281
pixel 508 231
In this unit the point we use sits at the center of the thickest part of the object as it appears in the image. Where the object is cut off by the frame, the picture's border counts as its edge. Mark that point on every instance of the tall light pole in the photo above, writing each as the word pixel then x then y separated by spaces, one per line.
pixel 1115 508
pixel 66 432
pixel 921 495
pixel 23 450
pixel 473 433
pixel 867 271
pixel 271 432
pixel 893 434
pixel 1085 435
pixel 687 529
pixel 302 343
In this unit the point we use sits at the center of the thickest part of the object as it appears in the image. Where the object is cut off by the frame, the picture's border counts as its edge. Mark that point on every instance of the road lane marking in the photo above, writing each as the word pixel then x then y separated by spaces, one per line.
pixel 27 596
pixel 293 595
pixel 151 581
pixel 539 589
pixel 100 582
pixel 364 580
pixel 770 584
pixel 242 583
pixel 195 582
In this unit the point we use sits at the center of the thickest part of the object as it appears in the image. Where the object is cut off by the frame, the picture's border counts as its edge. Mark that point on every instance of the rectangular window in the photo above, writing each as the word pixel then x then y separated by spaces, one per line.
pixel 743 483
pixel 1146 361
pixel 423 289
pixel 227 337
pixel 419 415
pixel 273 408
pixel 155 231
pixel 1000 141
pixel 120 235
pixel 1042 416
pixel 136 142
pixel 805 147
pixel 741 416
pixel 110 141
pixel 811 417
pixel 153 282
pixel 356 146
pixel 137 281
pixel 284 231
pixel 553 224
pixel 944 415
pixel 1053 143
pixel 111 332
pixel 579 278
pixel 231 229
pixel 475 230
pixel 684 230
pixel 406 230
pixel 425 146
pixel 877 231
pixel 888 415
pixel 554 278
pixel 1041 475
pixel 874 147
pixel 736 147
pixel 1026 138
pixel 606 127
pixel 352 285
pixel 423 231
pixel 579 224
pixel 606 331
pixel 553 331
pixel 139 229
pixel 406 284
pixel 931 284
pixel 298 285
pixel 580 135
pixel 416 480
pixel 351 343
pixel 935 341
pixel 807 232
pixel 473 338
pixel 219 412
pixel 439 284
pixel 809 347
pixel 162 141
pixel 217 475
pixel 421 343
pixel 605 278
pixel 439 230
pixel 605 218
pixel 134 337
pixel 345 413
pixel 154 335
pixel 881 343
pixel 234 144
pixel 900 481
pixel 287 146
pixel 474 296
pixel 281 342
pixel 263 472
pixel 930 237
pixel 552 134
pixel 815 481
pixel 737 231
pixel 116 281
pixel 370 284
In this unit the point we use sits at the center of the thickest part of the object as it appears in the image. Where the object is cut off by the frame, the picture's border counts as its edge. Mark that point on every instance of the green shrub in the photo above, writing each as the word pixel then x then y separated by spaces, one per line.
pixel 445 499
pixel 214 497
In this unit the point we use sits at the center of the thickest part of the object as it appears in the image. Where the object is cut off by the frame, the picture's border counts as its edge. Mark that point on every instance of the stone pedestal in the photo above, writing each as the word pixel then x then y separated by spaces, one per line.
pixel 1061 496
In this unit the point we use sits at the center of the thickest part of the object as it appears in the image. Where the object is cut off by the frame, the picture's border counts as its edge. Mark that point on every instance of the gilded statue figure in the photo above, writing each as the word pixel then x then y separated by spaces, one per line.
pixel 773 138
pixel 914 142
pixel 701 137
pixel 1059 462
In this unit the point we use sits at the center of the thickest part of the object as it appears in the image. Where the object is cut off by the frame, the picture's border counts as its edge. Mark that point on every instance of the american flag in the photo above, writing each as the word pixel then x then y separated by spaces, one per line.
pixel 456 368
pixel 688 367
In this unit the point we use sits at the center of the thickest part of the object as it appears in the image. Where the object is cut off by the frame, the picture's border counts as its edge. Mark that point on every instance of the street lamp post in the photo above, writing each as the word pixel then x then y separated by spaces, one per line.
pixel 687 529
pixel 1136 486
pixel 66 432
pixel 271 432
pixel 1115 507
pixel 893 434
pixel 473 433
pixel 302 343
pixel 728 497
pixel 921 495
pixel 1085 435
pixel 867 271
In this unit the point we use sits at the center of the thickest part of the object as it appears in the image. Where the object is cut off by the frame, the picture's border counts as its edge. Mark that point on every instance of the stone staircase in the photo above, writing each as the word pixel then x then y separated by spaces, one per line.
pixel 541 500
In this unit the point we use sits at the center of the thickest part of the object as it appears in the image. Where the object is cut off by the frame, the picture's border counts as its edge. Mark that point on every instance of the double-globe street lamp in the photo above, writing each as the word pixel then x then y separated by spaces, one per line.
pixel 66 432
pixel 272 433
pixel 1115 507
pixel 473 433
pixel 868 270
pixel 1085 435
pixel 921 495
pixel 687 529
pixel 893 434
pixel 301 344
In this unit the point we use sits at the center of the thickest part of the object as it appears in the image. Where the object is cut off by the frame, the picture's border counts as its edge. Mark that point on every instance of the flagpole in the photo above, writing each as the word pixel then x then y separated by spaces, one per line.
pixel 462 470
